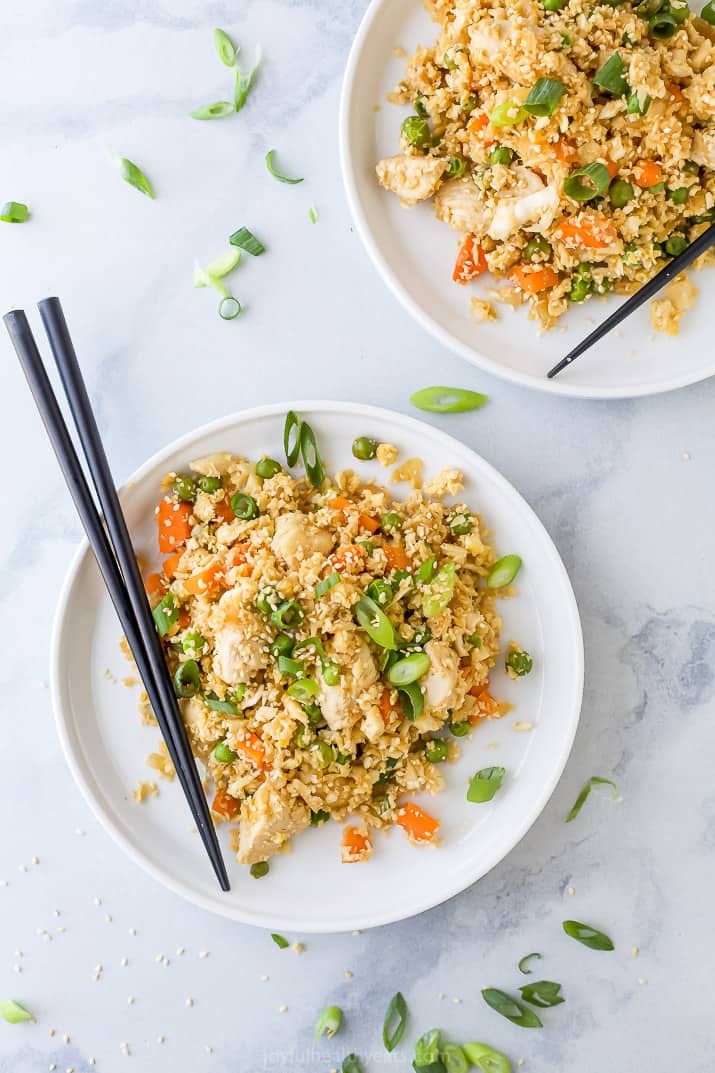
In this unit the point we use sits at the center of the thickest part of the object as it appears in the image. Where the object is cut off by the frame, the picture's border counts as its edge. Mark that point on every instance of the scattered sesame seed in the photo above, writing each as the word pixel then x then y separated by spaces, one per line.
pixel 357 932
pixel 180 951
pixel 686 456
pixel 3 883
pixel 209 1049
pixel 52 1032
pixel 53 1066
pixel 635 952
pixel 298 947
pixel 442 994
pixel 521 1062
pixel 203 953
pixel 264 979
pixel 130 1000
pixel 282 1009
pixel 22 868
pixel 132 931
pixel 92 1061
pixel 19 954
pixel 65 1038
pixel 55 912
pixel 456 1000
pixel 642 980
pixel 17 968
pixel 571 890
pixel 124 1048
pixel 61 931
pixel 161 1039
pixel 35 860
pixel 70 1069
pixel 189 1002
pixel 108 918
pixel 348 974
pixel 124 962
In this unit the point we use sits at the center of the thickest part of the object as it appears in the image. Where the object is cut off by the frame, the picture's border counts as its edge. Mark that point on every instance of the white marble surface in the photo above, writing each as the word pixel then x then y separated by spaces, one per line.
pixel 625 489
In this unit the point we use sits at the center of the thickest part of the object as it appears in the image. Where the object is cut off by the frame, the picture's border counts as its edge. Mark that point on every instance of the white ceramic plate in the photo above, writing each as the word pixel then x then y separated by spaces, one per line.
pixel 414 252
pixel 308 889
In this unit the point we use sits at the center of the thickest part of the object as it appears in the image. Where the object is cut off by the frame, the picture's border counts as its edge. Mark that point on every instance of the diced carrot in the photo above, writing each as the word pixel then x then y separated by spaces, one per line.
pixel 565 151
pixel 349 560
pixel 184 619
pixel 478 122
pixel 173 520
pixel 612 168
pixel 205 581
pixel 486 705
pixel 341 506
pixel 225 805
pixel 471 261
pixel 388 708
pixel 237 556
pixel 417 824
pixel 674 92
pixel 251 747
pixel 648 173
pixel 154 584
pixel 588 230
pixel 366 522
pixel 171 565
pixel 397 557
pixel 534 278
pixel 356 846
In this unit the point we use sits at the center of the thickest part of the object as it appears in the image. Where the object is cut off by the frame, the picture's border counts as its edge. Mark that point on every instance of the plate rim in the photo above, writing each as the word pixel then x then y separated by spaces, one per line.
pixel 61 703
pixel 442 335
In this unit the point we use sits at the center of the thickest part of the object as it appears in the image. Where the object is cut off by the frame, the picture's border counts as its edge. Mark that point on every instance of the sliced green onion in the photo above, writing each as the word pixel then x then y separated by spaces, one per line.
pixel 225 47
pixel 590 937
pixel 218 704
pixel 291 447
pixel 229 308
pixel 507 114
pixel 393 1027
pixel 194 642
pixel 426 1049
pixel 329 1022
pixel 708 13
pixel 187 679
pixel 14 212
pixel 457 167
pixel 421 109
pixel 381 591
pixel 331 673
pixel 267 600
pixel 311 458
pixel 13 1012
pixel 484 784
pixel 203 279
pixel 440 591
pixel 245 81
pixel 318 818
pixel 375 623
pixel 635 107
pixel 679 196
pixel 447 400
pixel 260 869
pixel 351 1064
pixel 460 522
pixel 293 668
pixel 313 214
pixel 245 240
pixel 578 804
pixel 662 25
pixel 503 571
pixel 486 1058
pixel 326 753
pixel 275 173
pixel 303 689
pixel 542 993
pixel 288 615
pixel 426 571
pixel 133 175
pixel 416 131
pixel 244 506
pixel 327 584
pixel 409 669
pixel 223 264
pixel 460 730
pixel 217 110
pixel 587 182
pixel 281 645
pixel 524 962
pixel 436 750
pixel 612 76
pixel 267 468
pixel 510 1008
pixel 412 701
pixel 544 97
pixel 279 940
pixel 224 753
pixel 453 1058
pixel 364 448
pixel 165 614
pixel 390 522
pixel 519 662
pixel 474 640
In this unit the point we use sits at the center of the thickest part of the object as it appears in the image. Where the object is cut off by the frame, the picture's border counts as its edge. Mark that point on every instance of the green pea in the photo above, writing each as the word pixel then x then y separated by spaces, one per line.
pixel 436 750
pixel 537 248
pixel 390 522
pixel 209 484
pixel 690 167
pixel 554 5
pixel 267 468
pixel 580 288
pixel 184 487
pixel 364 448
pixel 679 196
pixel 501 154
pixel 416 131
pixel 621 193
pixel 457 167
pixel 282 645
pixel 331 673
pixel 315 716
pixel 326 753
pixel 260 869
pixel 675 245
pixel 459 729
pixel 303 737
pixel 244 506
pixel 460 522
pixel 519 662
pixel 224 753
pixel 187 679
pixel 470 104
pixel 474 640
pixel 380 591
pixel 267 601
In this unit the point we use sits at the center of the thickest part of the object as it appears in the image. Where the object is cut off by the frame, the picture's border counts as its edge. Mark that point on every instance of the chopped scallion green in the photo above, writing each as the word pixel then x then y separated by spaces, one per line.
pixel 277 174
pixel 247 241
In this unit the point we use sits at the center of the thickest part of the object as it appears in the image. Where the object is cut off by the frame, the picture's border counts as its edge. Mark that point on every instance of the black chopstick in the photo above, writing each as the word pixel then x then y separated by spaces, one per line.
pixel 694 250
pixel 129 599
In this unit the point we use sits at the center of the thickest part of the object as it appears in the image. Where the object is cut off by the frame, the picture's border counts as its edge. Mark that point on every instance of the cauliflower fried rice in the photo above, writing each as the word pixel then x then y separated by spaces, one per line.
pixel 570 141
pixel 269 621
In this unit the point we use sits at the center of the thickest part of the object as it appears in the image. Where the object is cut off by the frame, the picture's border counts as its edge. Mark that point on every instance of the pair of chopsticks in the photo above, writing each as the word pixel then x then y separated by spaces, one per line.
pixel 647 291
pixel 112 546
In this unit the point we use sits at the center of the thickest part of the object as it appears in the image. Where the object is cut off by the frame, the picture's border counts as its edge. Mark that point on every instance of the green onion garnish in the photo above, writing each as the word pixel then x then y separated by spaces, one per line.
pixel 247 241
pixel 590 937
pixel 13 1012
pixel 229 308
pixel 313 214
pixel 288 615
pixel 612 76
pixel 14 212
pixel 292 668
pixel 352 1064
pixel 587 182
pixel 393 1027
pixel 187 679
pixel 426 1050
pixel 219 704
pixel 217 110
pixel 318 818
pixel 412 701
pixel 311 458
pixel 524 962
pixel 708 13
pixel 279 940
pixel 326 753
pixel 303 690
pixel 327 584
pixel 375 623
pixel 245 81
pixel 507 114
pixel 595 780
pixel 133 175
pixel 544 97
pixel 165 614
pixel 329 1022
pixel 290 445
pixel 453 1058
pixel 542 993
pixel 225 47
pixel 662 25
pixel 275 173
pixel 485 784
pixel 440 590
pixel 457 167
pixel 223 264
pixel 426 571
pixel 510 1008
pixel 260 869
pixel 519 662
pixel 447 400
pixel 503 571
pixel 409 669
pixel 486 1058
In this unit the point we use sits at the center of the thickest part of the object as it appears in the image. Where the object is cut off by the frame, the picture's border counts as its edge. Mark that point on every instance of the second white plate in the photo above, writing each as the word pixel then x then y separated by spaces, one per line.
pixel 309 889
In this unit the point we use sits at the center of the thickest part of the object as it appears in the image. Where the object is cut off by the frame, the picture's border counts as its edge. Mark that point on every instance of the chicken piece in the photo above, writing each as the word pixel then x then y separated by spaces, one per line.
pixel 460 204
pixel 439 10
pixel 533 207
pixel 678 296
pixel 268 820
pixel 486 40
pixel 703 151
pixel 358 673
pixel 412 178
pixel 296 539
pixel 238 654
pixel 212 465
pixel 440 682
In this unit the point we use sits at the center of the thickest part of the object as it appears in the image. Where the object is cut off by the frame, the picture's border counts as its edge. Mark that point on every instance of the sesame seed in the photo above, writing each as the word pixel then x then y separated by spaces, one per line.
pixel 298 947
pixel 635 952
pixel 571 891
pixel 264 979
pixel 357 933
pixel 3 883
pixel 348 974
pixel 17 968
pixel 132 931
pixel 209 1049
pixel 53 1066
pixel 52 1032
pixel 35 860
pixel 161 1039
pixel 203 954
pixel 108 918
pixel 92 1061
pixel 641 980
pixel 97 901
pixel 22 868
pixel 282 1009
pixel 180 951
pixel 130 1000
pixel 55 912
pixel 65 1038
pixel 456 1000
pixel 124 962
pixel 189 1002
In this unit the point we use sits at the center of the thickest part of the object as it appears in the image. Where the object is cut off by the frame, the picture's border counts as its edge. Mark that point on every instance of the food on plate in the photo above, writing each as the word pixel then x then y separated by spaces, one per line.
pixel 327 642
pixel 570 143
